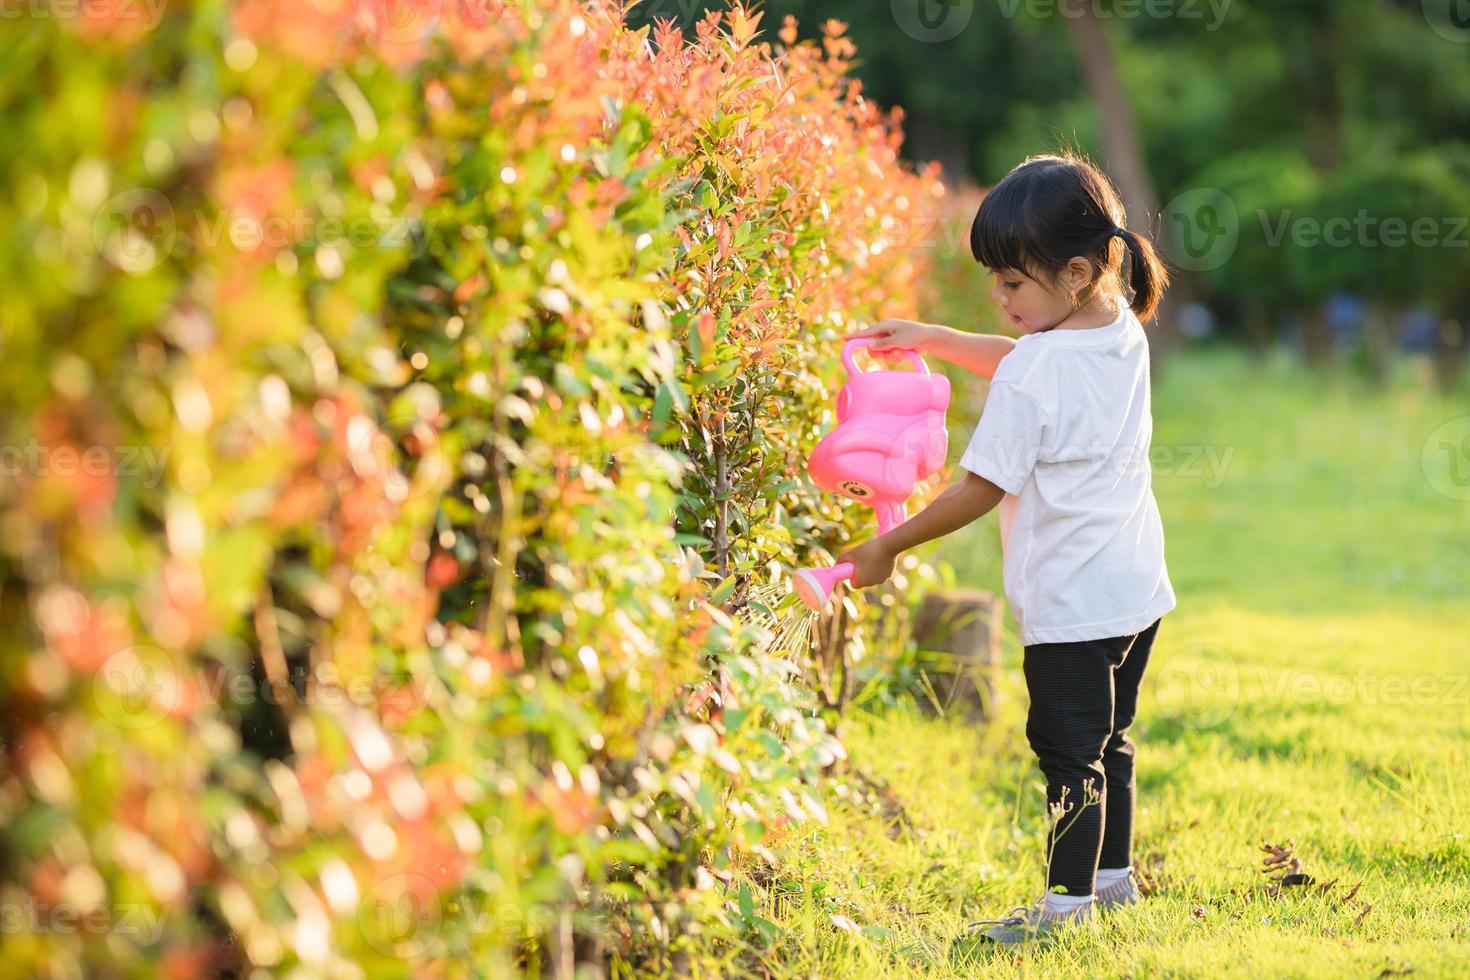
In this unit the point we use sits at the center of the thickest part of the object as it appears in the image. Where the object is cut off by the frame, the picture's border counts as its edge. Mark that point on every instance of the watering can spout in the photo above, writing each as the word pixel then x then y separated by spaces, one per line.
pixel 815 585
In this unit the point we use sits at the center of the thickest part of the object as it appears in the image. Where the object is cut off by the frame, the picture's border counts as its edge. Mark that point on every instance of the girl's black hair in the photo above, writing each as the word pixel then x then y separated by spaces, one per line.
pixel 1052 208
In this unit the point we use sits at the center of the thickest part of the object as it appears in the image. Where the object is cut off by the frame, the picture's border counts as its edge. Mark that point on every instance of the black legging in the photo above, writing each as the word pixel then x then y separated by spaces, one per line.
pixel 1083 699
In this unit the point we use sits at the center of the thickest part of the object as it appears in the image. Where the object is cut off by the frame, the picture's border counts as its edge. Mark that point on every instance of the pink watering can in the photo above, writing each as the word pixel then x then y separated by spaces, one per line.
pixel 890 436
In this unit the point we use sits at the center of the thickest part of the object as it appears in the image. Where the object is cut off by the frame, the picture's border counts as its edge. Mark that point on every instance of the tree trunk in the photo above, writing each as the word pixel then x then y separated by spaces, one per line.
pixel 929 138
pixel 1258 317
pixel 1124 154
pixel 959 630
pixel 1378 341
pixel 1321 91
pixel 1316 338
pixel 1449 353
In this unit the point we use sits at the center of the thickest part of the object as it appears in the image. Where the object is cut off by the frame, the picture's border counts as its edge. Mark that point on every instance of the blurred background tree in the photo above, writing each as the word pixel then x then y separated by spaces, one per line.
pixel 1258 106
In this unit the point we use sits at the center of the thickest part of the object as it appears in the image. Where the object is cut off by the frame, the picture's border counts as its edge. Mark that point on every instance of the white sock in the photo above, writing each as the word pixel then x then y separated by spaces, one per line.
pixel 1062 904
pixel 1111 876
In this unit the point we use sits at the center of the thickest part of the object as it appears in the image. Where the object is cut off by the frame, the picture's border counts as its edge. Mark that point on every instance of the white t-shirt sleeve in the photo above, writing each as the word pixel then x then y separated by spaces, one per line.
pixel 1008 439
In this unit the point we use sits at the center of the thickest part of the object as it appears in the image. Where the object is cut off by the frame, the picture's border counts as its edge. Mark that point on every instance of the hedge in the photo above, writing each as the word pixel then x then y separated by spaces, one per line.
pixel 404 423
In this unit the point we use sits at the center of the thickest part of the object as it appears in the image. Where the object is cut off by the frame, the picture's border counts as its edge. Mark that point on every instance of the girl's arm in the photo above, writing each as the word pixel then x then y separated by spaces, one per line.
pixel 963 502
pixel 976 352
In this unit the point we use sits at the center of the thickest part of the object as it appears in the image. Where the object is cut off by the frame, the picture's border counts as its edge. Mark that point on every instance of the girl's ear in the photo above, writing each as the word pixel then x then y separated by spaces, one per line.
pixel 1077 276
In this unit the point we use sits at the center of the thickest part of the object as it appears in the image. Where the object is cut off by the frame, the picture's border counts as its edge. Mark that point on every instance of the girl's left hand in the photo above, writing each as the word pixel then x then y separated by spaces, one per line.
pixel 872 563
pixel 891 338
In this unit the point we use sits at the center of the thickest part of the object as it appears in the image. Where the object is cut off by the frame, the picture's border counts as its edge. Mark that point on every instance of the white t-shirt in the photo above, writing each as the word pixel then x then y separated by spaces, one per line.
pixel 1065 433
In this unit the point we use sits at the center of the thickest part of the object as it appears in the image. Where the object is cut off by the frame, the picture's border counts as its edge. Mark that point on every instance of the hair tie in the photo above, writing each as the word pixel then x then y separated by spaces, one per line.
pixel 1119 231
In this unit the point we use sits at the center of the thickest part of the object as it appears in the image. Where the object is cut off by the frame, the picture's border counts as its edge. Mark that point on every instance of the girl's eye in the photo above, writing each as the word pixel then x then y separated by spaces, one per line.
pixel 1011 284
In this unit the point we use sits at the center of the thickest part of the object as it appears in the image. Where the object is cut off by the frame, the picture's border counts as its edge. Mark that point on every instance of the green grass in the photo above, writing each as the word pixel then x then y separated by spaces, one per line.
pixel 1312 688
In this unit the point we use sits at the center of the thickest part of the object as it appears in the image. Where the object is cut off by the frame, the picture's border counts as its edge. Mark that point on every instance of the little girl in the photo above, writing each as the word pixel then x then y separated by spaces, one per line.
pixel 1062 447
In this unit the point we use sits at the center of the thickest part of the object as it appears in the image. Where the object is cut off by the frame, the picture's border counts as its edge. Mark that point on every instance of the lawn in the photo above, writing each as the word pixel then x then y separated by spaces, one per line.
pixel 1312 690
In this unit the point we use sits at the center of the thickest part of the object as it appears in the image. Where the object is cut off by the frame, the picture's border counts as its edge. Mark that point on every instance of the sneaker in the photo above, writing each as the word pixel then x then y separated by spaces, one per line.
pixel 1032 922
pixel 1119 893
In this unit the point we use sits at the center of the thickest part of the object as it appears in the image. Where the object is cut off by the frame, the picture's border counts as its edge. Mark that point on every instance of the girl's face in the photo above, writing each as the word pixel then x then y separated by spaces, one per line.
pixel 1032 306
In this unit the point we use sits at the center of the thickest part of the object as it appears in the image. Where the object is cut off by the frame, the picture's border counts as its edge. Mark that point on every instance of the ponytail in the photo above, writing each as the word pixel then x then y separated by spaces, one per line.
pixel 1051 209
pixel 1148 277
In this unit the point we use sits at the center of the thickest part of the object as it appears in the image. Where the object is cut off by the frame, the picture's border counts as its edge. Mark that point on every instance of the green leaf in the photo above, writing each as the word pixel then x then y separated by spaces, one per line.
pixel 723 591
pixel 663 403
pixel 708 807
pixel 774 747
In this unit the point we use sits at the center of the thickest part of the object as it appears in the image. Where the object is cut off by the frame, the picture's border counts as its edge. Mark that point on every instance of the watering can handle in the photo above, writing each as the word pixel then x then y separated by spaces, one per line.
pixel 859 342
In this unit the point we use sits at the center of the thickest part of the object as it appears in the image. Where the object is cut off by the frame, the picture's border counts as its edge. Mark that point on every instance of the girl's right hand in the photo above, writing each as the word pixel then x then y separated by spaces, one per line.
pixel 892 337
